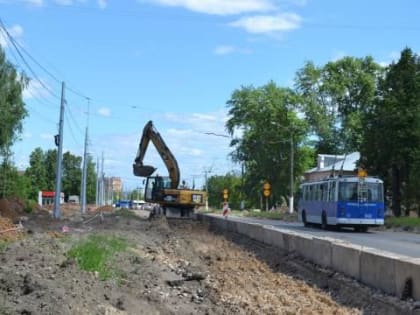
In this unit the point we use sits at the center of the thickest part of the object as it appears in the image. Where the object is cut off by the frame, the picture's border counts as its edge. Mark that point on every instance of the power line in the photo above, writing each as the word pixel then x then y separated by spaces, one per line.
pixel 20 48
pixel 37 63
pixel 71 130
pixel 74 120
pixel 13 42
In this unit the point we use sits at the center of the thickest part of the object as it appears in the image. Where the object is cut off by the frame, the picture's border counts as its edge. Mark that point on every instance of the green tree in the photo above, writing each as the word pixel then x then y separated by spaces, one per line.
pixel 335 98
pixel 12 113
pixel 36 172
pixel 90 181
pixel 12 107
pixel 72 174
pixel 13 182
pixel 51 168
pixel 263 122
pixel 216 185
pixel 390 146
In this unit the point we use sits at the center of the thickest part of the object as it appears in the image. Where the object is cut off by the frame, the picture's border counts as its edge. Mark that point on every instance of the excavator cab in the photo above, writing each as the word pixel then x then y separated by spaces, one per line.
pixel 155 186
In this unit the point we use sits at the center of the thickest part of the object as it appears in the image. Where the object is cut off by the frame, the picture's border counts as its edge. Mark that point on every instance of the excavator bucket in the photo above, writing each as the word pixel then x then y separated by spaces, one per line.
pixel 143 170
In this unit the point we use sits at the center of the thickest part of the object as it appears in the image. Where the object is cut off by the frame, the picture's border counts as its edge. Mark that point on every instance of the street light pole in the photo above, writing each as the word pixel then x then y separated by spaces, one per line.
pixel 207 190
pixel 291 173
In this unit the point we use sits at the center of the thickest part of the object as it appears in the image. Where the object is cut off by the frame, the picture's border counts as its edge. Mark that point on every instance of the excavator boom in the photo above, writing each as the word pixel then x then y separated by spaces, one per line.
pixel 139 169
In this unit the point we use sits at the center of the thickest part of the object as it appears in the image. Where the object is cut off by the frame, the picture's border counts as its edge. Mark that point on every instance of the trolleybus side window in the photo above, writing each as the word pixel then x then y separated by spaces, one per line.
pixel 324 191
pixel 332 191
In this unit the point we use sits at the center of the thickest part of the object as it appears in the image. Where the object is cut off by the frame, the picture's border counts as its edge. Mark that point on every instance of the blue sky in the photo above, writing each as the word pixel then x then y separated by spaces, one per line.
pixel 177 62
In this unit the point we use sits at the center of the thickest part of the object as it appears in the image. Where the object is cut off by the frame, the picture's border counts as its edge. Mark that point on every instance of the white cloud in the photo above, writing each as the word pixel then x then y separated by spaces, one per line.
pixel 395 55
pixel 339 55
pixel 68 2
pixel 224 50
pixel 219 7
pixel 104 111
pixel 227 49
pixel 16 31
pixel 37 3
pixel 269 23
pixel 102 4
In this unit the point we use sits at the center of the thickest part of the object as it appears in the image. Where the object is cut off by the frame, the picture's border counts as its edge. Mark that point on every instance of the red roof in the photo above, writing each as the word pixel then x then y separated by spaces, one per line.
pixel 48 193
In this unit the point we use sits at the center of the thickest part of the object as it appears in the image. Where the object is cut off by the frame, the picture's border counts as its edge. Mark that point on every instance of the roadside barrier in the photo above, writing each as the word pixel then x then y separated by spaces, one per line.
pixel 394 274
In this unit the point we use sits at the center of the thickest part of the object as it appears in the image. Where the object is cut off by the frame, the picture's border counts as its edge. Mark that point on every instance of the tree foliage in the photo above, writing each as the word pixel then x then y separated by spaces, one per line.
pixel 12 107
pixel 263 121
pixel 42 173
pixel 390 147
pixel 12 182
pixel 37 173
pixel 72 174
pixel 216 184
pixel 335 98
pixel 90 181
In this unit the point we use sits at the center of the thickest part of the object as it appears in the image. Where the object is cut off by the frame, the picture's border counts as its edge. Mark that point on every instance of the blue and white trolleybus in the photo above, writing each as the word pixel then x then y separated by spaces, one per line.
pixel 354 201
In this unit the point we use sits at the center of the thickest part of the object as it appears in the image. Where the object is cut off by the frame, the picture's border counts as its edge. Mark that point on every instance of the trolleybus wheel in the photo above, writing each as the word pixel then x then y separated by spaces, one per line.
pixel 305 223
pixel 361 228
pixel 324 224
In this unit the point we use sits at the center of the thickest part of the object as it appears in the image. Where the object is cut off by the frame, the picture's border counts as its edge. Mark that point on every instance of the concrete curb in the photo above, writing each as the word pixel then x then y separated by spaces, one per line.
pixel 391 273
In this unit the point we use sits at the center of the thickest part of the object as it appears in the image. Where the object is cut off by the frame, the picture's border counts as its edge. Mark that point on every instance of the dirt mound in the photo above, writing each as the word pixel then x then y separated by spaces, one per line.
pixel 9 231
pixel 102 209
pixel 12 208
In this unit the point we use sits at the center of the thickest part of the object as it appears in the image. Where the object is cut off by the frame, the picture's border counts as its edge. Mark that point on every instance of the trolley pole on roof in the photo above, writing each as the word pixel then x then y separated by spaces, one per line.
pixel 59 139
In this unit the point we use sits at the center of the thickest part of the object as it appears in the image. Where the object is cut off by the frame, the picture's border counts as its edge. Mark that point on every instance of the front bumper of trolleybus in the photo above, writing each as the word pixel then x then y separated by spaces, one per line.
pixel 359 221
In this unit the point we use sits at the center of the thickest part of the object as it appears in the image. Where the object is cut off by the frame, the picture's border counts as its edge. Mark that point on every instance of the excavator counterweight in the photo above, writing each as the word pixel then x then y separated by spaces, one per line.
pixel 171 200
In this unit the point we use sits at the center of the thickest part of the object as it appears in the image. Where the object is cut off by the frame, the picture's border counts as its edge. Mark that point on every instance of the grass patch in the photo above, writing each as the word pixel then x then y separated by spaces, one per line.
pixel 126 213
pixel 274 215
pixel 96 253
pixel 402 222
pixel 3 246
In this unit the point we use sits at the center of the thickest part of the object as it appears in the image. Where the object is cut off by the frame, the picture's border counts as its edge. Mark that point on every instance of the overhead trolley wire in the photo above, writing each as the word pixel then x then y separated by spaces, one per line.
pixel 71 129
pixel 19 49
pixel 13 42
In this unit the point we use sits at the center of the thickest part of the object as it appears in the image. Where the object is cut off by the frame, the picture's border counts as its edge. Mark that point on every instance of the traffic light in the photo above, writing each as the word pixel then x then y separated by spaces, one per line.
pixel 266 189
pixel 225 194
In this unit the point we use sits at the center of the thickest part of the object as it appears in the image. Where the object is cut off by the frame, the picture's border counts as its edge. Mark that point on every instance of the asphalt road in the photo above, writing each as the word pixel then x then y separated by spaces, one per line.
pixel 400 243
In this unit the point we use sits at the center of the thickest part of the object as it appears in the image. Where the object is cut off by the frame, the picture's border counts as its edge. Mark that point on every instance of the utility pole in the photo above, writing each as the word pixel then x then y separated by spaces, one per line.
pixel 207 189
pixel 97 182
pixel 84 175
pixel 291 173
pixel 57 197
pixel 102 194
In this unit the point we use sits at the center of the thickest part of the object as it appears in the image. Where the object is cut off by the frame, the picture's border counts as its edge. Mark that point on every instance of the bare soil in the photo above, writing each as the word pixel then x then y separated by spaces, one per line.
pixel 170 267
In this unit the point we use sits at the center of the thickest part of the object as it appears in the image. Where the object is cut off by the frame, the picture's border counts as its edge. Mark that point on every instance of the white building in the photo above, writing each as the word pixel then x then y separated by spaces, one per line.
pixel 338 164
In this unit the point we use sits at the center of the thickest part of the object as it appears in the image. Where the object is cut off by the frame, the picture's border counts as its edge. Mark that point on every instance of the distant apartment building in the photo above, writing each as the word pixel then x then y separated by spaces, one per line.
pixel 113 186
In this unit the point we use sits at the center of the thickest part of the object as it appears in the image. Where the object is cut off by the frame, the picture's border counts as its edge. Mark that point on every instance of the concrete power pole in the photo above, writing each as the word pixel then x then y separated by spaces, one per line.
pixel 97 183
pixel 57 197
pixel 84 175
pixel 102 194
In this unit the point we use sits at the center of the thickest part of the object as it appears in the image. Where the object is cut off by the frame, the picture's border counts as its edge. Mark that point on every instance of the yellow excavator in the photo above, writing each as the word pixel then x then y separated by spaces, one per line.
pixel 164 191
